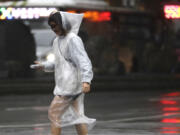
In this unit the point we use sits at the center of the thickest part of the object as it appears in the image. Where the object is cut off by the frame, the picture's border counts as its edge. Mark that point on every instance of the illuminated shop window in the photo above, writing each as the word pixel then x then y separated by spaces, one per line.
pixel 95 16
pixel 36 13
pixel 24 13
pixel 172 11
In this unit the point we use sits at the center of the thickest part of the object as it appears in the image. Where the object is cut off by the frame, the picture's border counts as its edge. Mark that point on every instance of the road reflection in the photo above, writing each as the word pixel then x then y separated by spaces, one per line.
pixel 171 113
pixel 39 130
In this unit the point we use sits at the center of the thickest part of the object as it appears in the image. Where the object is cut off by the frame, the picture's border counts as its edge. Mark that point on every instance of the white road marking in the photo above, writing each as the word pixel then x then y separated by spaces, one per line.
pixel 36 108
pixel 24 126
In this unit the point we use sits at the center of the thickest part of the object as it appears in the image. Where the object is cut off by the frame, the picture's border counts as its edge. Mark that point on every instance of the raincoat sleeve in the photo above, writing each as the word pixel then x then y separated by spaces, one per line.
pixel 79 57
pixel 48 66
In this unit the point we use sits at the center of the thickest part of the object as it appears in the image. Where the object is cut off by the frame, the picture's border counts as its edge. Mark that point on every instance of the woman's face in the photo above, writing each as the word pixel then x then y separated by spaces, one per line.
pixel 56 28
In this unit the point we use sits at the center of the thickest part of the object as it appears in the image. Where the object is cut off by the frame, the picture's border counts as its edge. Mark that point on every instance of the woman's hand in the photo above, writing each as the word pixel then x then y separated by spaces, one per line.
pixel 86 87
pixel 37 65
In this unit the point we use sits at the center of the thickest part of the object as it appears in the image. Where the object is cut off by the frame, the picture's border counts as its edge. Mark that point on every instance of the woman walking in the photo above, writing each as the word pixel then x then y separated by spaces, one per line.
pixel 73 74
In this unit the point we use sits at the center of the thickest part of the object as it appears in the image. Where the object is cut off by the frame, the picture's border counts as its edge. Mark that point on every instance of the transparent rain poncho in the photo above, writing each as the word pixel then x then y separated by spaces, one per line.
pixel 72 67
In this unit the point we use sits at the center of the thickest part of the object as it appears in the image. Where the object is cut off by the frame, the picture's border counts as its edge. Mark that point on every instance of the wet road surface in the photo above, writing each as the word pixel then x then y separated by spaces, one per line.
pixel 117 113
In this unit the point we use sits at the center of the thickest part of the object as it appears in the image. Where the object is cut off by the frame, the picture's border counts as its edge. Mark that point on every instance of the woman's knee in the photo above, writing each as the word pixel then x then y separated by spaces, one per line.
pixel 55 112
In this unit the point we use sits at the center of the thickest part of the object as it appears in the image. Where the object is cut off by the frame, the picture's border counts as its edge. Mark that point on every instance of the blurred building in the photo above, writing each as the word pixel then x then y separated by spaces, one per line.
pixel 121 36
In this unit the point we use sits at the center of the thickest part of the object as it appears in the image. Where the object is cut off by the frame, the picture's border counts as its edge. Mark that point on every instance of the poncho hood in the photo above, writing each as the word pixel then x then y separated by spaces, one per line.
pixel 71 21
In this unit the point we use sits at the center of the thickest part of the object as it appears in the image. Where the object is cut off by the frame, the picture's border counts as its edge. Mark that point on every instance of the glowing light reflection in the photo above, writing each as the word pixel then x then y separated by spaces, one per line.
pixel 171 128
pixel 170 132
pixel 170 120
pixel 170 102
pixel 173 94
pixel 171 114
pixel 171 109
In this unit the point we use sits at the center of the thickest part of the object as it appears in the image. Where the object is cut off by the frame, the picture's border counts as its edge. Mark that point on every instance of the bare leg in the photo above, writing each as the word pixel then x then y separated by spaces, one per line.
pixel 55 130
pixel 56 109
pixel 80 128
